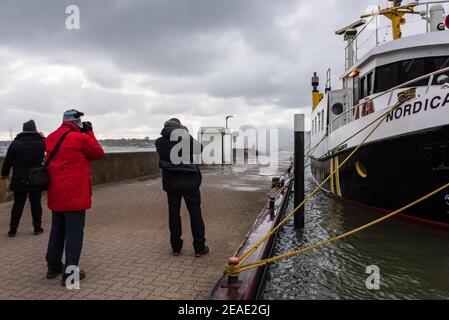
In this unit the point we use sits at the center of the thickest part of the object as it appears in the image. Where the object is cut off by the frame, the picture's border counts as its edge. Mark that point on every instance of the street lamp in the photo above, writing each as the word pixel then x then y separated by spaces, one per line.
pixel 222 140
pixel 227 120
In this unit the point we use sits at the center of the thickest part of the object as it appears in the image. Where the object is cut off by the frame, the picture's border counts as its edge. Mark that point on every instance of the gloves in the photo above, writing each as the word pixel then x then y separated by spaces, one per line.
pixel 87 126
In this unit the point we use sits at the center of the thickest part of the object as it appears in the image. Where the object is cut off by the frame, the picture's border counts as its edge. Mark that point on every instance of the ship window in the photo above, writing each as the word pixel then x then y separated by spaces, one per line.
pixel 415 68
pixel 386 77
pixel 356 89
pixel 362 88
pixel 313 123
pixel 442 78
pixel 322 122
pixel 370 85
pixel 395 74
pixel 319 121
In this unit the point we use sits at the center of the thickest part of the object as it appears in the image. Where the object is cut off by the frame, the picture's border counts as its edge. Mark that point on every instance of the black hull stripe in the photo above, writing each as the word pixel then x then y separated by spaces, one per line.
pixel 399 170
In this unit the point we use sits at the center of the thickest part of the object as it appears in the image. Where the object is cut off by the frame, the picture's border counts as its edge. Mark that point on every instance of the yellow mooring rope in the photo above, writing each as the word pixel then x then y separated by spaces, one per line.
pixel 235 270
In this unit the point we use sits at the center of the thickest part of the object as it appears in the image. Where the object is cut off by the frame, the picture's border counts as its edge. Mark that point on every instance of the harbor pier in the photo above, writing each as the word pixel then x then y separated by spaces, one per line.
pixel 126 253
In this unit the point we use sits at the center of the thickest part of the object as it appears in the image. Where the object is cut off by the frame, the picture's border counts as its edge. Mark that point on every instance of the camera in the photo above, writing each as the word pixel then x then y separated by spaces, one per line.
pixel 87 126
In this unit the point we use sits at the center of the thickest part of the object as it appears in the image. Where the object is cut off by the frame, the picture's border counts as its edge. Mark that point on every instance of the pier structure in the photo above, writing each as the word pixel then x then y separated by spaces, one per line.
pixel 126 253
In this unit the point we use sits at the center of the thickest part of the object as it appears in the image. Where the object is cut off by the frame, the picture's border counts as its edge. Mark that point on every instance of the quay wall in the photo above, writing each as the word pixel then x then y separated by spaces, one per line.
pixel 113 167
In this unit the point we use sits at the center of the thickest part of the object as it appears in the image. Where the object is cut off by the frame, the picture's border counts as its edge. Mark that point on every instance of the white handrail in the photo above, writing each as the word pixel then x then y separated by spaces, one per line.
pixel 426 4
pixel 381 94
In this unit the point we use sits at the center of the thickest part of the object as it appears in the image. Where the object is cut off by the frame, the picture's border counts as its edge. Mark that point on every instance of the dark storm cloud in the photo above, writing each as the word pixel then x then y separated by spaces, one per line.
pixel 177 36
pixel 261 52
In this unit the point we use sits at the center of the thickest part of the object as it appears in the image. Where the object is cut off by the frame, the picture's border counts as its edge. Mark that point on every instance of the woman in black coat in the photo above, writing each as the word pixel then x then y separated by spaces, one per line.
pixel 26 152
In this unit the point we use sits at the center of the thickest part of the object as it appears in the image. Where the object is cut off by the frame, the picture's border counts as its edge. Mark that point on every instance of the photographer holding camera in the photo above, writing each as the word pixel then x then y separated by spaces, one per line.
pixel 71 148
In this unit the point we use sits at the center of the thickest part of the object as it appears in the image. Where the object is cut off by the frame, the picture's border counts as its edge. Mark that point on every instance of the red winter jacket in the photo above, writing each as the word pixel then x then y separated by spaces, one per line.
pixel 69 171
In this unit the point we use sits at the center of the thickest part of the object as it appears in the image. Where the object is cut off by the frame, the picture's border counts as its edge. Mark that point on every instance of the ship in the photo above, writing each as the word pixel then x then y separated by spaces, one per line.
pixel 402 82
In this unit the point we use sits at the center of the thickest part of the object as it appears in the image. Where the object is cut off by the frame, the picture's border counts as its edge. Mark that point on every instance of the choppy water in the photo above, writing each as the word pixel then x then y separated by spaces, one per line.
pixel 127 149
pixel 413 258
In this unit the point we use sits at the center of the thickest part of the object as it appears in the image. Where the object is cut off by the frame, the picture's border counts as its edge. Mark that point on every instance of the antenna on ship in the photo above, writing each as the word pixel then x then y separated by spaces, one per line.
pixel 396 14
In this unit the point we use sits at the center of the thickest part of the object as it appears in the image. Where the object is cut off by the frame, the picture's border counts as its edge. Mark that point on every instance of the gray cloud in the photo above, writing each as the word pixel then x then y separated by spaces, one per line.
pixel 134 63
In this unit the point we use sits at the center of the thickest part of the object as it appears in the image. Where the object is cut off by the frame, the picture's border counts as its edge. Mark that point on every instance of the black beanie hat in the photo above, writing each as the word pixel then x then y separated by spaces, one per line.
pixel 175 120
pixel 29 126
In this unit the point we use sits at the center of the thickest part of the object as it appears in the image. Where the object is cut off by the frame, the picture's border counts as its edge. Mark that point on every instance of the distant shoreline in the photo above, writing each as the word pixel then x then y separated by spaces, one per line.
pixel 109 150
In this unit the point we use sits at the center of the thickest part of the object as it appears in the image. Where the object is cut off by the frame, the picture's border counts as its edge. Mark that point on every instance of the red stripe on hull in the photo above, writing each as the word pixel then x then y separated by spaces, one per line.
pixel 401 215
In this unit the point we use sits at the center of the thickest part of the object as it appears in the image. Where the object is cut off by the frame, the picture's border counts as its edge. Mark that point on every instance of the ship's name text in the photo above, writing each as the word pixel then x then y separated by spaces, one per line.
pixel 418 106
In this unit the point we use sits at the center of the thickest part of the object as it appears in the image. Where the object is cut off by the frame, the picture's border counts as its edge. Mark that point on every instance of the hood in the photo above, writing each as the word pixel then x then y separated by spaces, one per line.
pixel 167 131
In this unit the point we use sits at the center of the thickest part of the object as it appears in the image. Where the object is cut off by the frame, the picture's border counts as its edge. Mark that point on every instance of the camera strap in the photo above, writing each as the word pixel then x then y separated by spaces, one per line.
pixel 58 145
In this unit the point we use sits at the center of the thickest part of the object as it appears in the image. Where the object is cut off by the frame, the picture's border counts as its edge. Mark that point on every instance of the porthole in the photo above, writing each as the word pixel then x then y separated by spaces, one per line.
pixel 361 169
pixel 337 108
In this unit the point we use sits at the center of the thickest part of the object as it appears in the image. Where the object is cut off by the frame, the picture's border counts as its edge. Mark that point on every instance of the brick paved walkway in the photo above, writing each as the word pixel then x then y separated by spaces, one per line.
pixel 126 252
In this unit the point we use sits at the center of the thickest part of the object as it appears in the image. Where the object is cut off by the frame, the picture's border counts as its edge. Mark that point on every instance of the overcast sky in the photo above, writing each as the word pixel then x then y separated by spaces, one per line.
pixel 135 63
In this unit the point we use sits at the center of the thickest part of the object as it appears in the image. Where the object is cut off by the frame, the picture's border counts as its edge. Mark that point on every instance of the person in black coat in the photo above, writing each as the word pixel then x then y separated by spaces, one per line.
pixel 26 152
pixel 181 178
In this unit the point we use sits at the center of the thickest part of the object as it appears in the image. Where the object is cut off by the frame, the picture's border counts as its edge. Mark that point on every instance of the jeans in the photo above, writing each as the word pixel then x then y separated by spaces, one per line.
pixel 193 203
pixel 20 199
pixel 68 228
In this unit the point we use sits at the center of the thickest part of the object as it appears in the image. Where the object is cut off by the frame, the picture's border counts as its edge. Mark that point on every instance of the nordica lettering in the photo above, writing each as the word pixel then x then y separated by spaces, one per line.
pixel 418 106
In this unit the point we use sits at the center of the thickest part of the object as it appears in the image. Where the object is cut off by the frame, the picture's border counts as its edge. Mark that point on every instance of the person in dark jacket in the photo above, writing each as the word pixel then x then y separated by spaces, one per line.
pixel 26 152
pixel 181 179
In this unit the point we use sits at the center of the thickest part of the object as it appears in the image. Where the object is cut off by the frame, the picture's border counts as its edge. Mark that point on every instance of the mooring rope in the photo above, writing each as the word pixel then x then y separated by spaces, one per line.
pixel 235 270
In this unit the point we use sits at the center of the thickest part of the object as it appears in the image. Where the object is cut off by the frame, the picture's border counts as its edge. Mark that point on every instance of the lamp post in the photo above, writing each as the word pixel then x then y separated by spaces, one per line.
pixel 222 140
pixel 227 118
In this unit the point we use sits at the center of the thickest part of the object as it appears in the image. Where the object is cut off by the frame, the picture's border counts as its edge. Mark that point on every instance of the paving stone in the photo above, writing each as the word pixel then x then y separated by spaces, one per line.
pixel 126 253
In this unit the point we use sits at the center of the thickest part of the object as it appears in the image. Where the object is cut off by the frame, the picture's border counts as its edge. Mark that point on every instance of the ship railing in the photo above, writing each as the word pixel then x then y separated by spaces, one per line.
pixel 372 29
pixel 351 114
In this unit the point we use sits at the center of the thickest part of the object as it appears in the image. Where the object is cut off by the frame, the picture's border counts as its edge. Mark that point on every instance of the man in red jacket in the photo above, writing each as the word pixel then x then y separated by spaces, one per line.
pixel 69 193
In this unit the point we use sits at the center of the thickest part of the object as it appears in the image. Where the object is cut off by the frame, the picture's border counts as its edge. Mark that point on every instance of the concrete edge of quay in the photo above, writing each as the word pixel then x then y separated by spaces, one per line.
pixel 113 167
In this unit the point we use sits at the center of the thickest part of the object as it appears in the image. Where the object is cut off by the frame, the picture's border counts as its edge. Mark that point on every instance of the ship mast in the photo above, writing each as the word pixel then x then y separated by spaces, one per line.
pixel 395 13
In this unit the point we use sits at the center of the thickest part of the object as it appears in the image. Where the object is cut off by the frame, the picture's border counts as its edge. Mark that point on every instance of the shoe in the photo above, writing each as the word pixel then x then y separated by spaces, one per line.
pixel 202 253
pixel 51 274
pixel 65 276
pixel 177 252
pixel 38 230
pixel 12 232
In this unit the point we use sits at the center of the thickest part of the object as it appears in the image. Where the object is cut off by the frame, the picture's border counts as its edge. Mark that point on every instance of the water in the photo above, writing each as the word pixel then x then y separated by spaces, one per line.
pixel 413 258
pixel 127 149
pixel 106 149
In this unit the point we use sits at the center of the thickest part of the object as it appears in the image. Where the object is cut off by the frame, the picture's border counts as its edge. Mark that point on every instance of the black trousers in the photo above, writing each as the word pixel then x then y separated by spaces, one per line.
pixel 20 199
pixel 192 199
pixel 66 228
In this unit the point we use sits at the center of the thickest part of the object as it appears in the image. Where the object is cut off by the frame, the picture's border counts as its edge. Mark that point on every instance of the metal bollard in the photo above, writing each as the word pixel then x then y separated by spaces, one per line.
pixel 271 207
pixel 232 262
